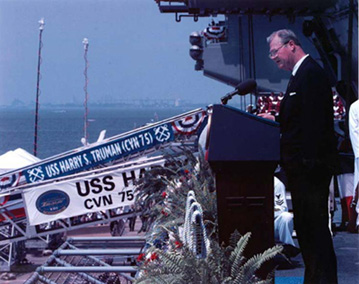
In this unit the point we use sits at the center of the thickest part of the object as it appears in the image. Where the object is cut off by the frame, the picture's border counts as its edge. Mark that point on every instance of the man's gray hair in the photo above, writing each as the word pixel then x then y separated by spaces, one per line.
pixel 285 36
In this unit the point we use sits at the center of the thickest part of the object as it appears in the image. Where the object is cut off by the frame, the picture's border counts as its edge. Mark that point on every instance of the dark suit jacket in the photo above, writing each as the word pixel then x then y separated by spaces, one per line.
pixel 306 119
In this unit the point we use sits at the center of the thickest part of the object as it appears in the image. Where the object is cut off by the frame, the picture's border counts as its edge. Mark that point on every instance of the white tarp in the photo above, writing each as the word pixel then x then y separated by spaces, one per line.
pixel 16 159
pixel 78 196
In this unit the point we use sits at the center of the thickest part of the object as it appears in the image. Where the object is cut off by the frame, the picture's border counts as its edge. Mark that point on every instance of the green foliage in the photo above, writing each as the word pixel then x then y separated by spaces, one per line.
pixel 175 180
pixel 182 266
pixel 161 194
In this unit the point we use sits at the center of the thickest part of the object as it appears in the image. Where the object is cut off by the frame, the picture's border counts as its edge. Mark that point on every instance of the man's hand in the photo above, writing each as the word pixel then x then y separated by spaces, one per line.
pixel 267 116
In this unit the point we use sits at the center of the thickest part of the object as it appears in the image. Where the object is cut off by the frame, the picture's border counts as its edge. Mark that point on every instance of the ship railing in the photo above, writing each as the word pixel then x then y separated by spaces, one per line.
pixel 108 260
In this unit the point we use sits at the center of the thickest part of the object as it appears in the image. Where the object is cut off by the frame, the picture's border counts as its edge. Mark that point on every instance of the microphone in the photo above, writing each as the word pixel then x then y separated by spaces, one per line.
pixel 242 89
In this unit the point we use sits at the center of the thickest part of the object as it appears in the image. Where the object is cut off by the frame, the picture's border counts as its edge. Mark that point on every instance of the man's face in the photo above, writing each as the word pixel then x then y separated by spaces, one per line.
pixel 280 54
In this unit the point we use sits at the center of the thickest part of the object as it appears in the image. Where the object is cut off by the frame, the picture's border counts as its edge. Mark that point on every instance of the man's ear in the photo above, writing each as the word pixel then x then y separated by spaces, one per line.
pixel 291 45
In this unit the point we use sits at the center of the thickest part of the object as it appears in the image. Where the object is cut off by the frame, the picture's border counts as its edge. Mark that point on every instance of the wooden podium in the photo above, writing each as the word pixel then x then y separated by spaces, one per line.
pixel 243 152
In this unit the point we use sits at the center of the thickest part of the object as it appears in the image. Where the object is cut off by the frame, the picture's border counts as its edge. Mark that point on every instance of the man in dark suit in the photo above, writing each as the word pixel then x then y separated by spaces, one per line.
pixel 307 152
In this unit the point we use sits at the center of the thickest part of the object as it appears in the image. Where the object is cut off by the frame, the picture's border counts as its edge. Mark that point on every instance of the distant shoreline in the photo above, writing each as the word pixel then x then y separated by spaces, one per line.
pixel 102 106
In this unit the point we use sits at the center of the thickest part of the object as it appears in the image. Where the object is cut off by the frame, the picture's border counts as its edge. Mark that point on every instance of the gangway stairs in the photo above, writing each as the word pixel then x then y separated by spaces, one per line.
pixel 91 260
pixel 111 165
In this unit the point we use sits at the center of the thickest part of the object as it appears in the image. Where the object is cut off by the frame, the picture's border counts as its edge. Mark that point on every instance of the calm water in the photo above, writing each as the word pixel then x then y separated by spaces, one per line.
pixel 61 130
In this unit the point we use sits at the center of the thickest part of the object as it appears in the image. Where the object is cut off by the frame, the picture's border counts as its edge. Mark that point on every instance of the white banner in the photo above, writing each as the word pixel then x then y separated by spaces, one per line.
pixel 84 195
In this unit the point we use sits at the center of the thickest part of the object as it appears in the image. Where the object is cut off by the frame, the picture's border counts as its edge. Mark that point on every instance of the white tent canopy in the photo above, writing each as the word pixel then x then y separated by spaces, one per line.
pixel 16 159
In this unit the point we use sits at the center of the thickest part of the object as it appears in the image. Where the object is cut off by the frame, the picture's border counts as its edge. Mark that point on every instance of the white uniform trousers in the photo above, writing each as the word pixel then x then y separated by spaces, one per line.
pixel 283 228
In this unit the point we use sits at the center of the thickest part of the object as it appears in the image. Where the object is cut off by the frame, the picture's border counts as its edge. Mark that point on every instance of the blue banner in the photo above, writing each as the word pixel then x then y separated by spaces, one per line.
pixel 101 154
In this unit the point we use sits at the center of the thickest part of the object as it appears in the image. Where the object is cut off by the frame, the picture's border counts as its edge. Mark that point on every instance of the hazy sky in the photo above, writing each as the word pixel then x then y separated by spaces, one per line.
pixel 134 52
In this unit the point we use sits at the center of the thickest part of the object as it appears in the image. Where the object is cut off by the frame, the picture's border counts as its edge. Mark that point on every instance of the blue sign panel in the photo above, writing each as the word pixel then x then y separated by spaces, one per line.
pixel 52 202
pixel 101 154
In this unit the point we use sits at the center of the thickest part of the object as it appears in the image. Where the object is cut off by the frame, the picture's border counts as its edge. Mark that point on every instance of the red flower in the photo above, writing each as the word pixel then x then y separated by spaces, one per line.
pixel 186 171
pixel 153 256
pixel 164 194
pixel 141 257
pixel 164 212
pixel 178 244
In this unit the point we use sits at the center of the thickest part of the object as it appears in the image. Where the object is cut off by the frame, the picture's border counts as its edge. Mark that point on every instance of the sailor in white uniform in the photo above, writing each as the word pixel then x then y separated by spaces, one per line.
pixel 283 220
pixel 354 137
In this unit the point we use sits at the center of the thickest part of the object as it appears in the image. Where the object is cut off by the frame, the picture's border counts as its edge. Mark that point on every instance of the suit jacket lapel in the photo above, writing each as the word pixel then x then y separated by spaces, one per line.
pixel 291 83
pixel 291 79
